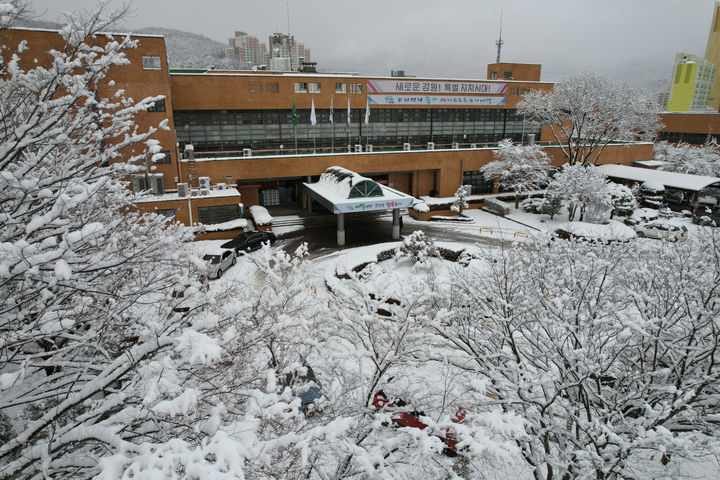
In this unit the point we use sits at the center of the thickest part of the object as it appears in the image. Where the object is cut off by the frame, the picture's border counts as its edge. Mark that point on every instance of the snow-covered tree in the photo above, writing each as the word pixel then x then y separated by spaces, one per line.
pixel 461 200
pixel 85 283
pixel 519 168
pixel 693 159
pixel 607 356
pixel 586 112
pixel 584 188
pixel 417 247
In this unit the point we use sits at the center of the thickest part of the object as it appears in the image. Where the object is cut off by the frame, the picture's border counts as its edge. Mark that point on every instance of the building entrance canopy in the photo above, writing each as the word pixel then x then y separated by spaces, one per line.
pixel 343 191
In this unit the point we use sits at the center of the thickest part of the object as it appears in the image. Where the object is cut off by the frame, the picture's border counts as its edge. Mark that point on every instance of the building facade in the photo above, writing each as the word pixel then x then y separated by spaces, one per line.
pixel 712 54
pixel 691 84
pixel 247 50
pixel 251 132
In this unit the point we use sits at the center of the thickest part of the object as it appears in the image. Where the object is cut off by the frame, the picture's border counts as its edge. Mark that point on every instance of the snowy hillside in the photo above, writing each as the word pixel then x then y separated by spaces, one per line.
pixel 190 50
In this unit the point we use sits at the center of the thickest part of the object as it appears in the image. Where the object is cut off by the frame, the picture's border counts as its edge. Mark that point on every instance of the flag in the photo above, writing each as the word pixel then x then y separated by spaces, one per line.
pixel 294 115
pixel 348 110
pixel 313 120
pixel 367 111
pixel 331 110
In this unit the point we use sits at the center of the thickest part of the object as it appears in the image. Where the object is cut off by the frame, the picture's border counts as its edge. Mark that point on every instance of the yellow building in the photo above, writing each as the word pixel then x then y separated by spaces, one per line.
pixel 712 54
pixel 692 80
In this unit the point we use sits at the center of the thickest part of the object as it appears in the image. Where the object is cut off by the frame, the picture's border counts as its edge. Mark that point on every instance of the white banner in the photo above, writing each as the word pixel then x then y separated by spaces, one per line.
pixel 370 204
pixel 425 86
pixel 442 100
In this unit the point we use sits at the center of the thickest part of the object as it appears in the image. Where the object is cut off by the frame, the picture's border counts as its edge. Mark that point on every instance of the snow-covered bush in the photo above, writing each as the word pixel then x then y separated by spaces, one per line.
pixel 461 200
pixel 622 199
pixel 651 194
pixel 420 206
pixel 692 159
pixel 532 205
pixel 417 247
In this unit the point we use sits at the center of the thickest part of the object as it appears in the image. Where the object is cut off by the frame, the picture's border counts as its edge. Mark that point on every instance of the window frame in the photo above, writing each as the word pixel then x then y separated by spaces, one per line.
pixel 151 62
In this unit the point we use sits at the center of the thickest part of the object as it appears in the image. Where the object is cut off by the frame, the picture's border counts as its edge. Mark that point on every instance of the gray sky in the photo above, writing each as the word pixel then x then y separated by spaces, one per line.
pixel 631 40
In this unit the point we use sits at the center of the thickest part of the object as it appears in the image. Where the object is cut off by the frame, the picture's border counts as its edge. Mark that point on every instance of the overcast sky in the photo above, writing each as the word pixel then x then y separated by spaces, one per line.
pixel 625 39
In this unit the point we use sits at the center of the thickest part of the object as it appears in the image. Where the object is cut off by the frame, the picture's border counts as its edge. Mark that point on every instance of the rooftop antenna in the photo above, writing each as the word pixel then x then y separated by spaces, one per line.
pixel 287 6
pixel 499 42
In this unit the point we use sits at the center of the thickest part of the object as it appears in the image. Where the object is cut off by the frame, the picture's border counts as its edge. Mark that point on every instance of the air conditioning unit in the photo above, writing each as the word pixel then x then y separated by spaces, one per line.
pixel 138 183
pixel 204 182
pixel 194 192
pixel 368 148
pixel 473 145
pixel 358 148
pixel 431 146
pixel 204 191
pixel 247 152
pixel 406 147
pixel 157 184
pixel 183 189
pixel 221 186
pixel 455 145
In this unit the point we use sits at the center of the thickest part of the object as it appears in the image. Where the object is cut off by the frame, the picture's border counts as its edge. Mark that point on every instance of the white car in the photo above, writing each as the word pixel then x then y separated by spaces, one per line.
pixel 662 231
pixel 219 262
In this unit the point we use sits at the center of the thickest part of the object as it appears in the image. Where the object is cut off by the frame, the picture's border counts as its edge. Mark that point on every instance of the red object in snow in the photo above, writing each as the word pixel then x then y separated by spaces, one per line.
pixel 406 419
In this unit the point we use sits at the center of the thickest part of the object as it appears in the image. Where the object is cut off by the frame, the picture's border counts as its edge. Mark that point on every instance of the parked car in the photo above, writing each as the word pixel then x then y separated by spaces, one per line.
pixel 403 417
pixel 219 262
pixel 249 241
pixel 662 231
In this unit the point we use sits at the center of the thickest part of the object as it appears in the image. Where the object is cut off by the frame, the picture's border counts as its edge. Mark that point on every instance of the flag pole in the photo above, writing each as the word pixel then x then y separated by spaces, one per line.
pixel 294 120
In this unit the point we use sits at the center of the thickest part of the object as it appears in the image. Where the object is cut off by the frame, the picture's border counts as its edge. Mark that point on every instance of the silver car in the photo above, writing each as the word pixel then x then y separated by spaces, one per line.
pixel 219 262
pixel 662 231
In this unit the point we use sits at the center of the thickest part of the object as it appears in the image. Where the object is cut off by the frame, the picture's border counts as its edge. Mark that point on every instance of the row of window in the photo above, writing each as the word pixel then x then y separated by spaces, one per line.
pixel 377 115
pixel 316 87
pixel 261 130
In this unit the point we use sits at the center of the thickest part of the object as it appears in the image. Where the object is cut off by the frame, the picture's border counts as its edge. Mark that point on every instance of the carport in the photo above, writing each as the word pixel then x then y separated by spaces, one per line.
pixel 343 191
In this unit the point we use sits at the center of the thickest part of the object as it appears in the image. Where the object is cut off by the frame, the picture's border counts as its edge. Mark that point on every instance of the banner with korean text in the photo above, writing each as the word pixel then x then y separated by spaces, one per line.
pixel 430 86
pixel 441 100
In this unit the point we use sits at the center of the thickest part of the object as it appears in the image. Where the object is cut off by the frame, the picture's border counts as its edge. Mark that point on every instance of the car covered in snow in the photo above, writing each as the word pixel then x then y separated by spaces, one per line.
pixel 249 241
pixel 219 262
pixel 662 231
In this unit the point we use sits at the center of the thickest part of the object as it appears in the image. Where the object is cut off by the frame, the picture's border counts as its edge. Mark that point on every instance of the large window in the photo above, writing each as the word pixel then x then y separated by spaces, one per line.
pixel 478 181
pixel 151 63
pixel 314 87
pixel 341 88
pixel 301 87
pixel 356 88
pixel 234 130
pixel 218 214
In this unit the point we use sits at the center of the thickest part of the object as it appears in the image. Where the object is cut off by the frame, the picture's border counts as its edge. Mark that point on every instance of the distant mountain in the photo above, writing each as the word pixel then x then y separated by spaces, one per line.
pixel 190 50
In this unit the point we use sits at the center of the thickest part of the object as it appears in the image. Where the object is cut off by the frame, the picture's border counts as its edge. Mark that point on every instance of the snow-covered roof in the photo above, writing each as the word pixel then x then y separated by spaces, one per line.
pixel 649 163
pixel 340 190
pixel 682 181
pixel 168 197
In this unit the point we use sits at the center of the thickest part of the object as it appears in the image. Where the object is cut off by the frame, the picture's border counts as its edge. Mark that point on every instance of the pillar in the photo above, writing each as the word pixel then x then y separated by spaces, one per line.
pixel 340 229
pixel 396 224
